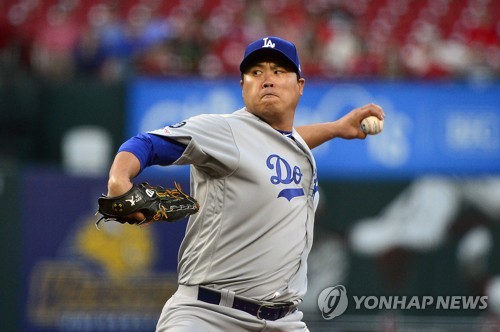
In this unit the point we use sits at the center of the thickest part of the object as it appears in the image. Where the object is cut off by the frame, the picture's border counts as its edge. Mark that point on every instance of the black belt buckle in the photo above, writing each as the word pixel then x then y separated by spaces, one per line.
pixel 259 311
pixel 273 312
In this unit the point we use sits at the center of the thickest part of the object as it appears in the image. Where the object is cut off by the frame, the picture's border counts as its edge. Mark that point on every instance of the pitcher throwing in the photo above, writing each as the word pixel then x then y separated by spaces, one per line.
pixel 243 260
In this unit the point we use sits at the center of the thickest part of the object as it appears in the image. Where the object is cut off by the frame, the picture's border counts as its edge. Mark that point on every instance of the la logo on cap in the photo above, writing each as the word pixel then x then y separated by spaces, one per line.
pixel 268 43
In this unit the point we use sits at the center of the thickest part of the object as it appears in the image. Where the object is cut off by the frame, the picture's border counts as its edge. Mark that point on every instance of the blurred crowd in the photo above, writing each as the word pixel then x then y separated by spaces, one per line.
pixel 112 39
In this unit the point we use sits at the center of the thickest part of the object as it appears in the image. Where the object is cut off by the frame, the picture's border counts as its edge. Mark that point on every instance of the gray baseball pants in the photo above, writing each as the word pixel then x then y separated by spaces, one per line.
pixel 183 312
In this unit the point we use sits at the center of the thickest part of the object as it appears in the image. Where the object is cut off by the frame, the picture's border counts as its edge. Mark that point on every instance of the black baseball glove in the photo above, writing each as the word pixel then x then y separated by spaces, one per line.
pixel 155 202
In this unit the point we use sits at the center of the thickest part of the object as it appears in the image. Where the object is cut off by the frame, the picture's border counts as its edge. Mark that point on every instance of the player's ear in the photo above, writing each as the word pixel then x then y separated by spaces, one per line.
pixel 301 83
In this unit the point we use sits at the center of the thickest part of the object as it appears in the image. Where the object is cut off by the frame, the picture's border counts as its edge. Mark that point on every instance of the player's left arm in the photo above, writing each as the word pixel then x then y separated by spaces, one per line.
pixel 347 127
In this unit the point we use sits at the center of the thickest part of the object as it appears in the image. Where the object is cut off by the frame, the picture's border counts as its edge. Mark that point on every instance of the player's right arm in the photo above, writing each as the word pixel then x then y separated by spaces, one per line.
pixel 125 167
pixel 137 153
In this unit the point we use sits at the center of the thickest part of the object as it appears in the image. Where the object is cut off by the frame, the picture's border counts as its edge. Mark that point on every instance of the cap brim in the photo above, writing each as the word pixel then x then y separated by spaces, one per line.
pixel 262 54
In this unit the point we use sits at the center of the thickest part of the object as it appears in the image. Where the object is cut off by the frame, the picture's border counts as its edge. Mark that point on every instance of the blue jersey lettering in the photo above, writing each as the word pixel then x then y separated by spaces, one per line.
pixel 285 174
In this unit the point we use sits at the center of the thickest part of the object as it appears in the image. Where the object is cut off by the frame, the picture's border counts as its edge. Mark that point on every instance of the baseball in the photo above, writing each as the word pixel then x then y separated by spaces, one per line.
pixel 372 125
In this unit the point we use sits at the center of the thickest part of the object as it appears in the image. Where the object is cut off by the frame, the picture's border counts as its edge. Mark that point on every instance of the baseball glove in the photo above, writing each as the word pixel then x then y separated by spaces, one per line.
pixel 155 202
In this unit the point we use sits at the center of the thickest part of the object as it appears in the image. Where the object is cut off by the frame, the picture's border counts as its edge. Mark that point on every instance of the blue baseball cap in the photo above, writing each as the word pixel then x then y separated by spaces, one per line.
pixel 271 46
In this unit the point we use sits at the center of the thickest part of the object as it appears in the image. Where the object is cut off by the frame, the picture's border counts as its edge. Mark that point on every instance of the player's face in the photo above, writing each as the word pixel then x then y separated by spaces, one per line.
pixel 271 91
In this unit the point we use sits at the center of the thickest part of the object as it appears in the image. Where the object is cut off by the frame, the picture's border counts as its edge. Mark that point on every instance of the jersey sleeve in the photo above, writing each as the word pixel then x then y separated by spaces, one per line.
pixel 153 150
pixel 210 145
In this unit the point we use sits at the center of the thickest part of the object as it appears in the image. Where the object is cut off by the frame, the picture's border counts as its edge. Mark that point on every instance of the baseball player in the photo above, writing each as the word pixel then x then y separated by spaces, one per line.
pixel 243 261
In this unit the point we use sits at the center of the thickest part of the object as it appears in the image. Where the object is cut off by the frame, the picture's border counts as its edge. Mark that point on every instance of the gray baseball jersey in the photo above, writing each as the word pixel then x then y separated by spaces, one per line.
pixel 257 190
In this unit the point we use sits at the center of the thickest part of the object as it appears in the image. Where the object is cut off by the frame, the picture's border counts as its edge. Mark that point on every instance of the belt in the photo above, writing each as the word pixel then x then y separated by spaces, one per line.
pixel 261 310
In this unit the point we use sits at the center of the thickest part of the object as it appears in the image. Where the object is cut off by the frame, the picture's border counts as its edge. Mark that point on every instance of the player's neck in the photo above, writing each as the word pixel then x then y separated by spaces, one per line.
pixel 281 124
pixel 278 119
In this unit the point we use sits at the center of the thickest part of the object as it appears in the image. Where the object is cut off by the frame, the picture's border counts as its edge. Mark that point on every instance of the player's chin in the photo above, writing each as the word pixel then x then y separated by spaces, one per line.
pixel 270 103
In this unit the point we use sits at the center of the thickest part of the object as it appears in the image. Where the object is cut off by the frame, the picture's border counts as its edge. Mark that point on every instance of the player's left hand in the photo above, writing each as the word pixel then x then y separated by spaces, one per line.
pixel 349 126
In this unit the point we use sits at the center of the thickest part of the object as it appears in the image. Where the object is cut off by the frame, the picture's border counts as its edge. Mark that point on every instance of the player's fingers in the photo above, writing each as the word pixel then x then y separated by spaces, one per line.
pixel 139 216
pixel 361 134
pixel 373 109
pixel 356 132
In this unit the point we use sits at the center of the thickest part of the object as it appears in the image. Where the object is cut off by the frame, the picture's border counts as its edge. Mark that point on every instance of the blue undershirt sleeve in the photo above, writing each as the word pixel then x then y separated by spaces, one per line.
pixel 153 149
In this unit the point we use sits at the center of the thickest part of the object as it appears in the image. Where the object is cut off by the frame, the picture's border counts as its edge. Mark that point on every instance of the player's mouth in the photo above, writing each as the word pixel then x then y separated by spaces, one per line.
pixel 268 95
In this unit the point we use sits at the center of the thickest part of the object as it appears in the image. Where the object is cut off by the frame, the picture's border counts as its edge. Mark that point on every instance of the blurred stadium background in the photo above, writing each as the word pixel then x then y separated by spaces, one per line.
pixel 414 211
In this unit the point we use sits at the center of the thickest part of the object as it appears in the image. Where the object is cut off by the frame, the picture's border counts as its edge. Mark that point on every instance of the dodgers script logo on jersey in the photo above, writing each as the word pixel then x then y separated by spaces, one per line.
pixel 285 174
